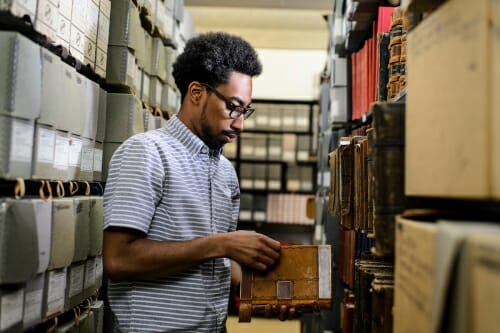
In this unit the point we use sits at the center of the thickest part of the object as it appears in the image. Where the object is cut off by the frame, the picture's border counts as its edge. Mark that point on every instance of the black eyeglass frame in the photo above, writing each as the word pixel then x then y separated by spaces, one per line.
pixel 235 111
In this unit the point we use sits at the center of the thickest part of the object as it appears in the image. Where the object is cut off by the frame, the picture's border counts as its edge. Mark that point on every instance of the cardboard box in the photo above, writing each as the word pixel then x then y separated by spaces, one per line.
pixel 414 272
pixel 484 283
pixel 453 107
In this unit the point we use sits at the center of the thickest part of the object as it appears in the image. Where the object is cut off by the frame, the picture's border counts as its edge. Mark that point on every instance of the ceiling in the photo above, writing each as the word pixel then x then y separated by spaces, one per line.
pixel 270 24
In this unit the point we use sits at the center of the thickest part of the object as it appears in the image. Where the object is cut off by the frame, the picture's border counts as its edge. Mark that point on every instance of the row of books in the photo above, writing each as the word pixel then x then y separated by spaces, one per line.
pixel 272 147
pixel 367 177
pixel 269 176
pixel 275 208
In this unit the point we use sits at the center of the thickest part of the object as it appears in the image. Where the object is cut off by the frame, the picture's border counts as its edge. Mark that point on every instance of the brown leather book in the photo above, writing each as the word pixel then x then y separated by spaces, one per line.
pixel 346 157
pixel 302 278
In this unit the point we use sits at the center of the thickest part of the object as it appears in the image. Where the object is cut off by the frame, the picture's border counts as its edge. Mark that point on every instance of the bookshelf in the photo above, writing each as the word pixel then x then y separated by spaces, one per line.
pixel 424 202
pixel 275 158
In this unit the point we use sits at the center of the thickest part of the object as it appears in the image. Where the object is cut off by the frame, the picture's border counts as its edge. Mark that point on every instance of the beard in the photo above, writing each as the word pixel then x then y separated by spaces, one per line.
pixel 208 134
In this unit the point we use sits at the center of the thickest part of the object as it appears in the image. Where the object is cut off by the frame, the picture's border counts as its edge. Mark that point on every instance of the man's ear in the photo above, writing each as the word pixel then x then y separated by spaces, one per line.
pixel 195 91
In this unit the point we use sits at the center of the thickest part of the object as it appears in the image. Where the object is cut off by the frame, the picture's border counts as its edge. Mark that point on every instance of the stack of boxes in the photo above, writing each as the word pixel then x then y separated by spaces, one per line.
pixel 446 269
pixel 54 122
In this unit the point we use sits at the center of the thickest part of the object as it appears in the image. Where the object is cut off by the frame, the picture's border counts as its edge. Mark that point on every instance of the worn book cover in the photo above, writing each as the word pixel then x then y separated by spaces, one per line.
pixel 302 278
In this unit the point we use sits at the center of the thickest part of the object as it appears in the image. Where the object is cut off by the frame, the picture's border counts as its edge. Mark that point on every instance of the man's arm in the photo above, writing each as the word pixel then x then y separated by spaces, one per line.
pixel 127 254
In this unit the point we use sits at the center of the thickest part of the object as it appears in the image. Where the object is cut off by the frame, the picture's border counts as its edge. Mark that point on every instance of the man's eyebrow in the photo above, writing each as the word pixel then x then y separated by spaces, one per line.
pixel 237 99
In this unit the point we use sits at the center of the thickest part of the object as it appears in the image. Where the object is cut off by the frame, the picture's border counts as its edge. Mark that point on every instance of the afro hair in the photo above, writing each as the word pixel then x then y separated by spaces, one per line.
pixel 211 57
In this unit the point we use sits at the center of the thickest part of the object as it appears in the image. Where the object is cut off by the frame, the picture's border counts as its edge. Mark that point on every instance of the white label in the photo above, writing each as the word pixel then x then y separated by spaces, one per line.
pixel 303 155
pixel 75 151
pixel 247 150
pixel 274 184
pixel 79 13
pixel 145 87
pixel 247 183
pixel 259 216
pixel 61 151
pixel 64 29
pixel 325 272
pixel 21 141
pixel 100 59
pixel 33 306
pixel 77 37
pixel 76 280
pixel 245 215
pixel 289 156
pixel 55 292
pixel 262 120
pixel 12 309
pixel 293 185
pixel 275 151
pixel 250 123
pixel 105 7
pixel 46 140
pixel 87 162
pixel 97 160
pixel 344 142
pixel 89 273
pixel 92 18
pixel 65 8
pixel 259 184
pixel 288 121
pixel 275 122
pixel 98 268
pixel 19 8
pixel 103 31
pixel 302 122
pixel 260 151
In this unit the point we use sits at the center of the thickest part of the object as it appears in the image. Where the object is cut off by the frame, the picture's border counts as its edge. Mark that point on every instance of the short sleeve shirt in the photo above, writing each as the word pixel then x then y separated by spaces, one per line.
pixel 168 184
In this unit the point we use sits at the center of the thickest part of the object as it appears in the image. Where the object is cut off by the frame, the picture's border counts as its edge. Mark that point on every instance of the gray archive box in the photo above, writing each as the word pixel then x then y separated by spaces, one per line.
pixel 53 90
pixel 43 153
pixel 158 60
pixel 16 147
pixel 70 117
pixel 98 164
pixel 86 171
pixel 54 292
pixel 101 117
pixel 81 206
pixel 96 225
pixel 33 301
pixel 97 308
pixel 18 240
pixel 74 285
pixel 89 283
pixel 11 308
pixel 125 25
pixel 62 248
pixel 274 177
pixel 40 212
pixel 121 67
pixel 74 157
pixel 124 117
pixel 20 70
pixel 91 109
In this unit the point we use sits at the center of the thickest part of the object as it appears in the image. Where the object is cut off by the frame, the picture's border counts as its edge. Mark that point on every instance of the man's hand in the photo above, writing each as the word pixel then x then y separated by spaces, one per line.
pixel 251 249
pixel 283 312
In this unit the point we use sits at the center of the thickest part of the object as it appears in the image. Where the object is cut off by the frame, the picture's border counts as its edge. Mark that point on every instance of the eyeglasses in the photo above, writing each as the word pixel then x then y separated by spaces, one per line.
pixel 235 111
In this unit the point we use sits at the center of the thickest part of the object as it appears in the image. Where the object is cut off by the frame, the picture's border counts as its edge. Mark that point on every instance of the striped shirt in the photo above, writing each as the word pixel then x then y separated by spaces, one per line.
pixel 168 184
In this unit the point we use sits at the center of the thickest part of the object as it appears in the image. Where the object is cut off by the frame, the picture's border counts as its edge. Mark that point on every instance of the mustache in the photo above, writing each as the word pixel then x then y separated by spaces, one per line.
pixel 231 133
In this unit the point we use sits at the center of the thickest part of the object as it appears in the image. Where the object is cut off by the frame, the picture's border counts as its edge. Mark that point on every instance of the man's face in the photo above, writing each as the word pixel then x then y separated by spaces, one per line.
pixel 216 126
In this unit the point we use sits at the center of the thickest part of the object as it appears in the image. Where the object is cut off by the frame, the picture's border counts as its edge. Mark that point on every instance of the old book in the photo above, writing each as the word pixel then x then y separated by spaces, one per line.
pixel 367 270
pixel 346 157
pixel 388 172
pixel 301 278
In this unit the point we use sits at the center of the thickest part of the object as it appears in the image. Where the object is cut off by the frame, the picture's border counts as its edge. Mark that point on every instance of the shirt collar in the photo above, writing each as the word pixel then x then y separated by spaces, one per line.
pixel 192 142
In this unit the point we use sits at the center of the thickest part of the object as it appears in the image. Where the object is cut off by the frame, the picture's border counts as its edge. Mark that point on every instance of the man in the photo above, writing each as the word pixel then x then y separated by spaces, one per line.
pixel 172 201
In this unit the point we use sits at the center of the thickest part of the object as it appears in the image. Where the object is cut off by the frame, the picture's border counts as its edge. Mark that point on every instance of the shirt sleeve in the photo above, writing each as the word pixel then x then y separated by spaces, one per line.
pixel 134 185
